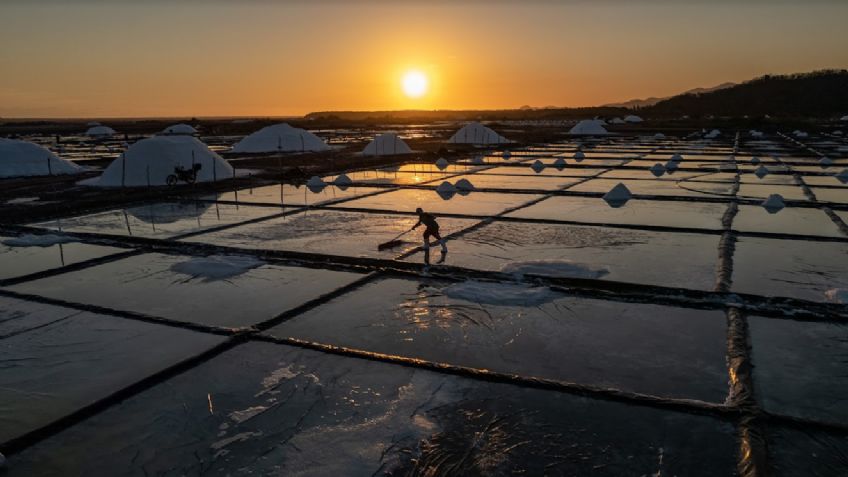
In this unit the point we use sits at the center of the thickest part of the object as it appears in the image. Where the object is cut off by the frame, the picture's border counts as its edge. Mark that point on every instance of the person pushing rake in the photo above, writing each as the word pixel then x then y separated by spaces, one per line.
pixel 431 229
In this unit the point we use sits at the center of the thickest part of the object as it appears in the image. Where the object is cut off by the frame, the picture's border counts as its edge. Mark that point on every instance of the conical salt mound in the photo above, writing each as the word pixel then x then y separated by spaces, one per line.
pixel 280 138
pixel 446 187
pixel 388 144
pixel 670 166
pixel 774 203
pixel 178 129
pixel 676 157
pixel 618 195
pixel 22 158
pixel 100 131
pixel 659 136
pixel 315 184
pixel 579 156
pixel 150 161
pixel 755 160
pixel 559 163
pixel 825 162
pixel 464 184
pixel 657 170
pixel 588 127
pixel 537 166
pixel 342 180
pixel 761 172
pixel 632 118
pixel 476 133
pixel 446 190
pixel 442 163
pixel 843 176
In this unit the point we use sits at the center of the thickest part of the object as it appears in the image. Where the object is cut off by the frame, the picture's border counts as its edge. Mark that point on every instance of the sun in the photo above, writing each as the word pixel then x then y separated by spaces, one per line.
pixel 414 84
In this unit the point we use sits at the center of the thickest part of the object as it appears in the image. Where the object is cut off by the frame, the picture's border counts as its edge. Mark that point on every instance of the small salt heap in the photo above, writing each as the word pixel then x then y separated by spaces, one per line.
pixel 464 185
pixel 659 136
pixel 671 166
pixel 618 196
pixel 843 176
pixel 657 170
pixel 559 163
pixel 774 203
pixel 825 162
pixel 446 190
pixel 761 172
pixel 442 163
pixel 676 157
pixel 579 156
pixel 342 181
pixel 537 166
pixel 315 184
pixel 755 160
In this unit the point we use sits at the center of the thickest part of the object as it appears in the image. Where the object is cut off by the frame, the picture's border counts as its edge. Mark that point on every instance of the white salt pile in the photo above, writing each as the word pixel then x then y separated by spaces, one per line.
pixel 100 131
pixel 464 184
pixel 177 129
pixel 446 190
pixel 825 162
pixel 712 134
pixel 216 267
pixel 632 118
pixel 616 121
pixel 657 170
pixel 315 184
pixel 34 240
pixel 476 133
pixel 843 176
pixel 500 294
pixel 442 163
pixel 671 166
pixel 553 268
pixel 774 203
pixel 755 160
pixel 659 136
pixel 387 144
pixel 537 166
pixel 579 156
pixel 676 157
pixel 26 159
pixel 150 162
pixel 618 195
pixel 342 181
pixel 280 138
pixel 589 127
pixel 559 163
pixel 761 172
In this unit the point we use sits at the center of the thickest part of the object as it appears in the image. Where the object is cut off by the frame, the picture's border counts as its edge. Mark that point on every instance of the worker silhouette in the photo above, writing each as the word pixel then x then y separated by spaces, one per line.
pixel 431 229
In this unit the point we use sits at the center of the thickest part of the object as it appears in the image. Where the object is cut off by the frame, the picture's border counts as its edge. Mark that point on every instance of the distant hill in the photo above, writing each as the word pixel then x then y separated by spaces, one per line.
pixel 641 103
pixel 817 94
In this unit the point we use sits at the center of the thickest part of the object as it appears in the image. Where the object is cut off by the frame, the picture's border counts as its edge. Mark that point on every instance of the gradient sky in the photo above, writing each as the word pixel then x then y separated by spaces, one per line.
pixel 118 58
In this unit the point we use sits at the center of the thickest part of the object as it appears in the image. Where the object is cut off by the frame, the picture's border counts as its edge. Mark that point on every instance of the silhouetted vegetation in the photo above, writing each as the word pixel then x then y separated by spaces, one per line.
pixel 817 94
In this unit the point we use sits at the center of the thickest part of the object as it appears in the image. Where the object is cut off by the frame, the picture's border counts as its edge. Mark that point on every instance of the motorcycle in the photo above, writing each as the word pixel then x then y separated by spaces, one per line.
pixel 189 176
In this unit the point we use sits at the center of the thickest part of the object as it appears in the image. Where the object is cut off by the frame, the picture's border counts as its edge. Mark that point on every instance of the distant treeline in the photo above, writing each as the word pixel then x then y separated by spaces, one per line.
pixel 382 117
pixel 818 94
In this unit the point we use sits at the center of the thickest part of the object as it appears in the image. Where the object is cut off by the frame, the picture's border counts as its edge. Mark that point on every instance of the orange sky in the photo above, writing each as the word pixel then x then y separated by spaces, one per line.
pixel 91 58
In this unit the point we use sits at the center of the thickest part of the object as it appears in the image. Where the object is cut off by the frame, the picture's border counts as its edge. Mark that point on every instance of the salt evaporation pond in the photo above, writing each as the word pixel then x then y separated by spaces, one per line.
pixel 261 330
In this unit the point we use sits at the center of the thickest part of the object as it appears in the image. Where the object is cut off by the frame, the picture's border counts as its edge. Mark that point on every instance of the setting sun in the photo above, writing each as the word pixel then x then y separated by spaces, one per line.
pixel 414 84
